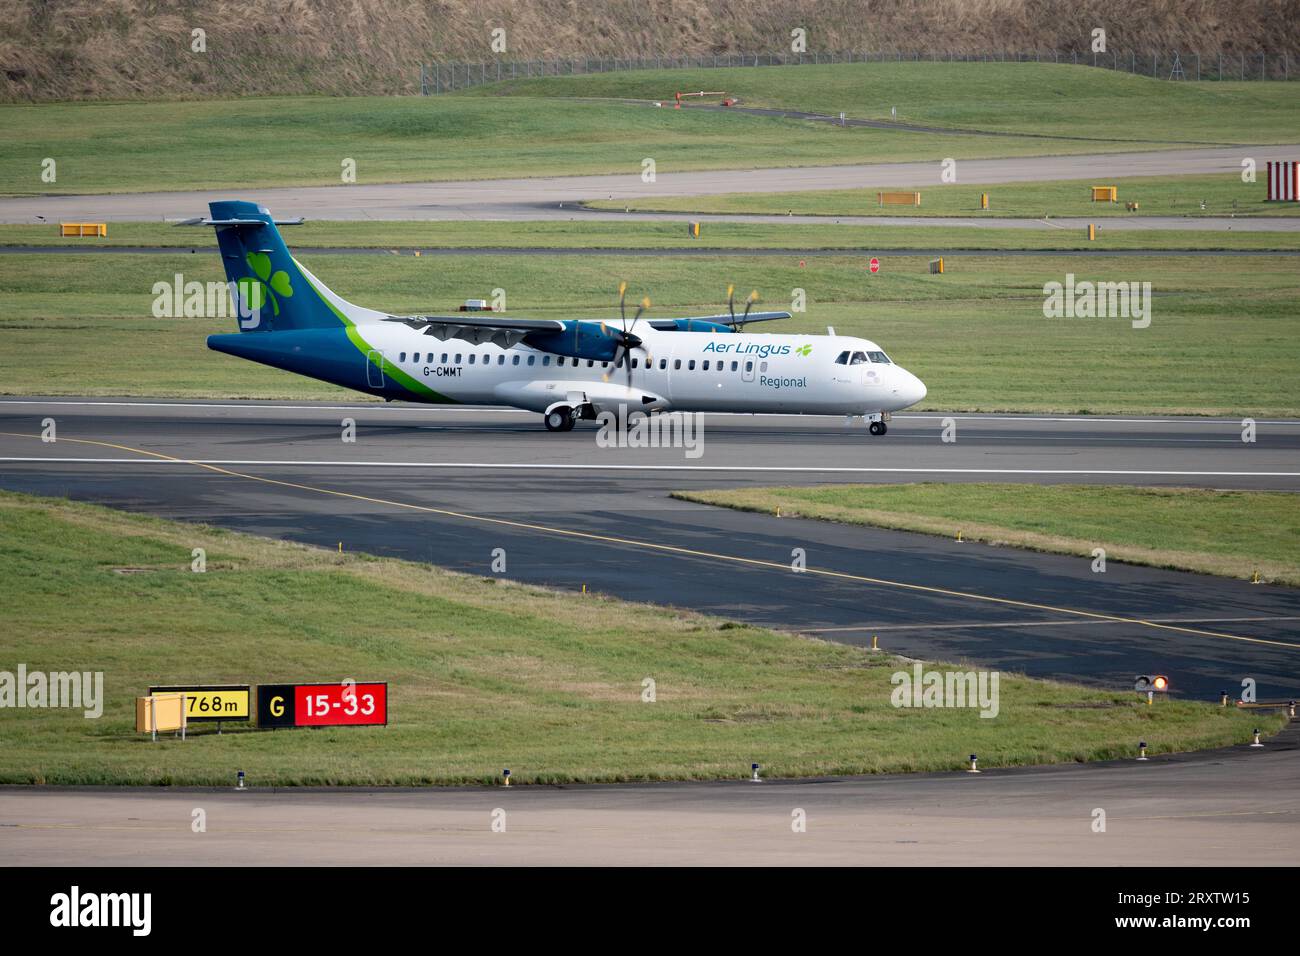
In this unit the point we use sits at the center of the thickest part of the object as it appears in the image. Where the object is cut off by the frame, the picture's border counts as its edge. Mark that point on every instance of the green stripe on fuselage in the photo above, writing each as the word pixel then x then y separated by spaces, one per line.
pixel 418 389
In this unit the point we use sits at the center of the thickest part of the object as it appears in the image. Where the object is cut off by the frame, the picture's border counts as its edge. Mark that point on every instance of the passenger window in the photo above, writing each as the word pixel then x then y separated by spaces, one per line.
pixel 444 357
pixel 402 357
pixel 458 357
pixel 690 366
pixel 663 364
pixel 706 365
pixel 515 361
pixel 604 365
pixel 473 357
pixel 735 365
pixel 591 363
pixel 636 362
pixel 762 367
pixel 749 366
pixel 677 363
pixel 546 360
pixel 532 359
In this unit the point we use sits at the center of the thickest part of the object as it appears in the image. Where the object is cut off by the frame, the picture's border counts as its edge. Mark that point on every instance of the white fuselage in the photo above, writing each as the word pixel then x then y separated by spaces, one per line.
pixel 686 371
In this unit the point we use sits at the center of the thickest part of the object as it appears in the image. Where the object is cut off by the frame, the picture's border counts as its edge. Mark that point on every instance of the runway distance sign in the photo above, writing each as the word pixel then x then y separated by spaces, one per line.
pixel 212 701
pixel 322 705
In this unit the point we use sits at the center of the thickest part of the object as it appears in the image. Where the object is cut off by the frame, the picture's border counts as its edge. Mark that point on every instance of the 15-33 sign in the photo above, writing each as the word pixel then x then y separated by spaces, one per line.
pixel 322 705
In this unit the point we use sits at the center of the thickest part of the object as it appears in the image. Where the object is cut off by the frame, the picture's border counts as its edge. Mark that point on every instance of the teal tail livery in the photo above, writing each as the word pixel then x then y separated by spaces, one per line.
pixel 291 320
pixel 569 370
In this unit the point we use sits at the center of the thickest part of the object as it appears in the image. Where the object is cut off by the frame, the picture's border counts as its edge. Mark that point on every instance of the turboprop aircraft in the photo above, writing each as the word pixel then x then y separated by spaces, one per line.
pixel 566 369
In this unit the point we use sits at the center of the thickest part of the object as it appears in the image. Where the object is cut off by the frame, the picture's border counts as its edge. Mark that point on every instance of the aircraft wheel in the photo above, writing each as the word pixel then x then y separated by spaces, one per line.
pixel 878 428
pixel 559 420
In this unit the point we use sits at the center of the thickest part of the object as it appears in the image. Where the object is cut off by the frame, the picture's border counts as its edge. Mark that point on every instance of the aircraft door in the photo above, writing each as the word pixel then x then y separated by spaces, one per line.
pixel 375 369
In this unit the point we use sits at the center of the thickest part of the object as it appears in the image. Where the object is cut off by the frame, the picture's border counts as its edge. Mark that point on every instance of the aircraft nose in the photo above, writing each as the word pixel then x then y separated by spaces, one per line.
pixel 911 389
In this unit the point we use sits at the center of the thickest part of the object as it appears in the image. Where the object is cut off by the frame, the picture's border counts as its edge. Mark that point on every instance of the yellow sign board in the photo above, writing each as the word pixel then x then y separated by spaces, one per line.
pixel 898 199
pixel 212 701
pixel 159 712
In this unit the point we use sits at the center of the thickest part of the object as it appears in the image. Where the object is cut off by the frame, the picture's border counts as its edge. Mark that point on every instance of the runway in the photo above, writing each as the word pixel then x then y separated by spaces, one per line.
pixel 1206 809
pixel 448 485
pixel 559 197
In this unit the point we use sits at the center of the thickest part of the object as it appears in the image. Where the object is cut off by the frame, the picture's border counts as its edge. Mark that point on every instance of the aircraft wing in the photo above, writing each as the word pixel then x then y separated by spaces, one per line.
pixel 478 327
pixel 684 323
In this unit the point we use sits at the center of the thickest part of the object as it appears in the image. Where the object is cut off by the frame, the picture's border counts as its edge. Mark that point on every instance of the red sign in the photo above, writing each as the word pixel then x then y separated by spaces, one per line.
pixel 875 264
pixel 325 705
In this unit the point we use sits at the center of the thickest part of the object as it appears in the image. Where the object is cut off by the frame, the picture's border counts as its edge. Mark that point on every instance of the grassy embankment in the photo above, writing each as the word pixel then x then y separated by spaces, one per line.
pixel 1229 533
pixel 483 674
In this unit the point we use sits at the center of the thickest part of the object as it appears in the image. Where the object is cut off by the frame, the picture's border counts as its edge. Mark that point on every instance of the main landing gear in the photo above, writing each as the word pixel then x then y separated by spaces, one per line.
pixel 559 419
pixel 562 418
pixel 878 428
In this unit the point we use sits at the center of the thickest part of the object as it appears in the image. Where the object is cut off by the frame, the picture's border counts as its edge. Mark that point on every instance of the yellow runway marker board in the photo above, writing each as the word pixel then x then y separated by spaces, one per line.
pixel 212 701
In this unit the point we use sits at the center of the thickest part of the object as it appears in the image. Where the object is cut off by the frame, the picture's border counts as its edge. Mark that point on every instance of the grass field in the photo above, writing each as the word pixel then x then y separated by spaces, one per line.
pixel 483 674
pixel 1221 339
pixel 1220 195
pixel 243 143
pixel 1039 99
pixel 1229 533
pixel 643 234
pixel 303 141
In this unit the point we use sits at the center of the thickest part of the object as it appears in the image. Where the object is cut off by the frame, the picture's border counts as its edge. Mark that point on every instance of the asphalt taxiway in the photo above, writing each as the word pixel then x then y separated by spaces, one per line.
pixel 560 197
pixel 449 485
pixel 1233 807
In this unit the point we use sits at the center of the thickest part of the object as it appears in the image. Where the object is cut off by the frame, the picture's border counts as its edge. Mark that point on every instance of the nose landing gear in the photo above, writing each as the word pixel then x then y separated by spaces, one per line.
pixel 879 424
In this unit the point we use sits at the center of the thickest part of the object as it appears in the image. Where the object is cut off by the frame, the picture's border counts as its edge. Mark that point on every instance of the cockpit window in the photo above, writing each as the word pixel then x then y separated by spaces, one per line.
pixel 843 359
pixel 859 358
pixel 880 358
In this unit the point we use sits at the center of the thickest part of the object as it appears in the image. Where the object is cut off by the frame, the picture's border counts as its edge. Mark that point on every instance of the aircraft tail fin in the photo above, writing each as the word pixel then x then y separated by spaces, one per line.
pixel 271 289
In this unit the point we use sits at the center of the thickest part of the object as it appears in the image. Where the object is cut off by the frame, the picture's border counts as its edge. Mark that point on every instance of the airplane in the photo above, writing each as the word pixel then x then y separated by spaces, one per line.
pixel 569 370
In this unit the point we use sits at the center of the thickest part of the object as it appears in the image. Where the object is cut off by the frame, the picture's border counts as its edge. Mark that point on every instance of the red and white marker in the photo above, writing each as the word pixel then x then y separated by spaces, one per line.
pixel 874 265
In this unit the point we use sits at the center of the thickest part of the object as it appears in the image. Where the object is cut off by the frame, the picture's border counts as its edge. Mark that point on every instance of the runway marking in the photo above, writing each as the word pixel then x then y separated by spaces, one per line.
pixel 675 549
pixel 1000 624
pixel 544 466
pixel 386 407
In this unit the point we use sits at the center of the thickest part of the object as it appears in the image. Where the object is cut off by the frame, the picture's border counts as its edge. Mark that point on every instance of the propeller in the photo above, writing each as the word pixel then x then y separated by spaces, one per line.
pixel 627 340
pixel 735 323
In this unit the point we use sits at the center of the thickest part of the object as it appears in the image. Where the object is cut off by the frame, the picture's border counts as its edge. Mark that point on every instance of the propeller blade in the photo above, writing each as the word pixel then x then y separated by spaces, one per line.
pixel 749 304
pixel 731 302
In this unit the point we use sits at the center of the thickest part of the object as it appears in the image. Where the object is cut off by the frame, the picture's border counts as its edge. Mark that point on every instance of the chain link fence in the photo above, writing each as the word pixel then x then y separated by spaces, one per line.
pixel 438 78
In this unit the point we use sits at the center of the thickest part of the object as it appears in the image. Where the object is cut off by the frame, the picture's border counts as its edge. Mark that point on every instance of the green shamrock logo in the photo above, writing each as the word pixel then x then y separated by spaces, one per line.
pixel 255 291
pixel 804 350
